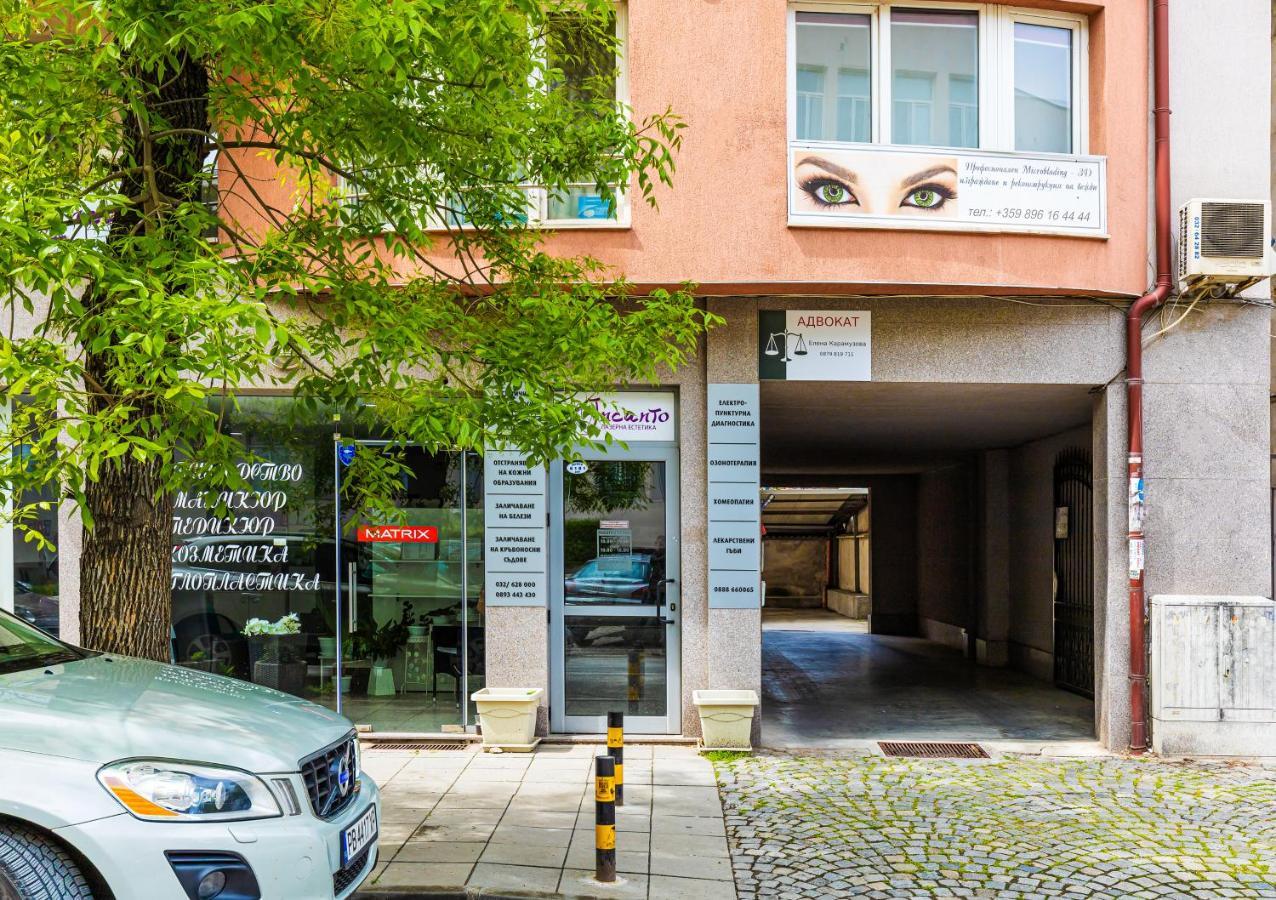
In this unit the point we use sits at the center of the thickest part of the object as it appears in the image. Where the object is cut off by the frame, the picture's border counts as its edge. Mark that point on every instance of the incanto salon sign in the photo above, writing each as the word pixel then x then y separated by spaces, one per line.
pixel 637 415
pixel 398 534
pixel 947 190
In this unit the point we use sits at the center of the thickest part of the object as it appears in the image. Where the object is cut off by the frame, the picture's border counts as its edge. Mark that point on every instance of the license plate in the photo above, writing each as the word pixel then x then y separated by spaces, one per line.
pixel 356 838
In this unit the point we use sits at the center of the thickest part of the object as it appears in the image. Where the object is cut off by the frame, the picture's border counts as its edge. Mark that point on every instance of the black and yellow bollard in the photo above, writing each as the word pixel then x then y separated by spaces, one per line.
pixel 616 750
pixel 605 819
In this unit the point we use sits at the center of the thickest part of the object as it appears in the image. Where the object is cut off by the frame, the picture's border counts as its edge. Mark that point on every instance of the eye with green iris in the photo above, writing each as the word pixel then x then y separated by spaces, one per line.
pixel 928 197
pixel 828 192
pixel 831 192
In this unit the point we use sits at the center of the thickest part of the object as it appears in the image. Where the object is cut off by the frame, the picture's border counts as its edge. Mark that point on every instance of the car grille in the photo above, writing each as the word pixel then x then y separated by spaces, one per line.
pixel 323 773
pixel 343 878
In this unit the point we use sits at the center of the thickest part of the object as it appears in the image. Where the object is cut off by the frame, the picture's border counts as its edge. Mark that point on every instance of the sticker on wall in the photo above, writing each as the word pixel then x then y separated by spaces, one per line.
pixel 577 467
pixel 346 453
pixel 815 345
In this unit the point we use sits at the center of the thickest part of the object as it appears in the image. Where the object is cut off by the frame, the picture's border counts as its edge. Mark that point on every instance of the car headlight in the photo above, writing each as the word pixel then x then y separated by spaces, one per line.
pixel 165 791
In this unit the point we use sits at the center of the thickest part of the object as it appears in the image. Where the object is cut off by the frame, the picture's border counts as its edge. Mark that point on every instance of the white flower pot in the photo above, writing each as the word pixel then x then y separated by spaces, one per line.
pixel 508 717
pixel 726 718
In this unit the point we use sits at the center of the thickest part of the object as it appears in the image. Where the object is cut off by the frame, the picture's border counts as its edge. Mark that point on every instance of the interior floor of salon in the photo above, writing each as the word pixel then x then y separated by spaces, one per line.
pixel 827 683
pixel 417 713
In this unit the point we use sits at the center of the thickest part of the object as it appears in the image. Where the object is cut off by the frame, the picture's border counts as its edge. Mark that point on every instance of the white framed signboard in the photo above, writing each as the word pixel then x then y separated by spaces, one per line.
pixel 931 189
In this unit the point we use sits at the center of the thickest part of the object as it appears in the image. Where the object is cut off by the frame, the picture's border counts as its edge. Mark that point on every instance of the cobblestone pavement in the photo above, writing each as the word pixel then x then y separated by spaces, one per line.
pixel 1014 827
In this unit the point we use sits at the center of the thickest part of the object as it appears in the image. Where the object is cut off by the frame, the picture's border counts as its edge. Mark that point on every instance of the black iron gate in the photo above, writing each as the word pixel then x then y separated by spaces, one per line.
pixel 1074 573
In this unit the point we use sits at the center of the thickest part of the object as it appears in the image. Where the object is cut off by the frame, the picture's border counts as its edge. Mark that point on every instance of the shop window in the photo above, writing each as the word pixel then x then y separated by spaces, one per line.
pixel 411 583
pixel 960 75
pixel 35 565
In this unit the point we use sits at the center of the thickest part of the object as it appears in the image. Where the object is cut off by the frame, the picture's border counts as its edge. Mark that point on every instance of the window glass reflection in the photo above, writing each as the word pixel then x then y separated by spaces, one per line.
pixel 614 533
pixel 935 77
pixel 833 65
pixel 1043 88
pixel 615 664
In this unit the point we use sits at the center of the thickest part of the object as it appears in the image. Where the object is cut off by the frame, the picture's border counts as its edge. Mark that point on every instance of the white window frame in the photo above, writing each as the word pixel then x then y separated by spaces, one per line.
pixel 1078 25
pixel 996 66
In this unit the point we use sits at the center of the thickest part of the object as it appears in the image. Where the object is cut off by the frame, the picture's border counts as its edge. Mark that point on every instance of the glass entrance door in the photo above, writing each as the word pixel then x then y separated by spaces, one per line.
pixel 615 600
pixel 409 611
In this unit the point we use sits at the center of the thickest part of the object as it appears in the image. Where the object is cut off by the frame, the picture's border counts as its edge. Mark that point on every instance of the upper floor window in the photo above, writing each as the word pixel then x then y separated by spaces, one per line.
pixel 954 75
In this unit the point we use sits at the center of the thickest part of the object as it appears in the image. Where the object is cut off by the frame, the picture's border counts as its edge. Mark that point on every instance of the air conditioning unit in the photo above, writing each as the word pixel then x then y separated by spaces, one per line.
pixel 1224 242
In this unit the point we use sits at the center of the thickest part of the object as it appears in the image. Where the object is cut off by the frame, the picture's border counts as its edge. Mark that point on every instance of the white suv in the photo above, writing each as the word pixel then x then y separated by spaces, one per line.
pixel 122 778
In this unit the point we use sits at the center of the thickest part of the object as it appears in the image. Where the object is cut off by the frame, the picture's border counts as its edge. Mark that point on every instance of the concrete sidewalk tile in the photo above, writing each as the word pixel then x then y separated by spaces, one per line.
pixel 483 776
pixel 439 852
pixel 581 883
pixel 501 761
pixel 495 876
pixel 686 865
pixel 688 825
pixel 684 772
pixel 480 816
pixel 667 888
pixel 685 800
pixel 399 815
pixel 699 845
pixel 472 801
pixel 538 818
pixel 524 855
pixel 533 837
pixel 429 832
pixel 424 875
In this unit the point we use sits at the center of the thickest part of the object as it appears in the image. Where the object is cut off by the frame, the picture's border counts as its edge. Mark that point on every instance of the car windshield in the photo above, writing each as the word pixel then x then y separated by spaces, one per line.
pixel 25 647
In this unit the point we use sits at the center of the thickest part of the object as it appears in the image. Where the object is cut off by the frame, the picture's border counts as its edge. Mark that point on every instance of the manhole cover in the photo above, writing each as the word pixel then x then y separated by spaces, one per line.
pixel 932 750
pixel 417 745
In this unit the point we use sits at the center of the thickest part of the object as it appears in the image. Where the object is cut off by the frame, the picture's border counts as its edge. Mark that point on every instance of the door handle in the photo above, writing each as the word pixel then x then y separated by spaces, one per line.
pixel 662 591
pixel 353 589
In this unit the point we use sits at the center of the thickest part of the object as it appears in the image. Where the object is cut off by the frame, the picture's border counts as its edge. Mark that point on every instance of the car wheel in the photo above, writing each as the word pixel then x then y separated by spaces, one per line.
pixel 213 649
pixel 32 867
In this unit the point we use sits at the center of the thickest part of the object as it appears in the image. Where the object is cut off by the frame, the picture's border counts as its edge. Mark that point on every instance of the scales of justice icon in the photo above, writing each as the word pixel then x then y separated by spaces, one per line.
pixel 773 347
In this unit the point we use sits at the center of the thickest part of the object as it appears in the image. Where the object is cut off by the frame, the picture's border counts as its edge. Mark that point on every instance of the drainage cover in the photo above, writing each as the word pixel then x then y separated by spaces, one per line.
pixel 417 745
pixel 932 750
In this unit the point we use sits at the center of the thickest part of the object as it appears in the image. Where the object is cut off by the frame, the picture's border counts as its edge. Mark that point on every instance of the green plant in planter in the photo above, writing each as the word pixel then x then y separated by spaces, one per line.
pixel 384 641
pixel 278 641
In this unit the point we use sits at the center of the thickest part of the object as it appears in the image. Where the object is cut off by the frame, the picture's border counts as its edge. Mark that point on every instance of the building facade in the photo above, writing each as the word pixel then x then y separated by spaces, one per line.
pixel 923 223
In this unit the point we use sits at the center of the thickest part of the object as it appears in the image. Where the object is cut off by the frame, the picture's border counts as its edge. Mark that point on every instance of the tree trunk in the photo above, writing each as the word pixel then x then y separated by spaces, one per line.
pixel 126 564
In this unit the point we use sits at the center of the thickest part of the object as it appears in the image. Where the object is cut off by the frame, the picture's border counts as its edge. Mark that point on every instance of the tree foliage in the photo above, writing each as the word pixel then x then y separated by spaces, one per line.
pixel 372 247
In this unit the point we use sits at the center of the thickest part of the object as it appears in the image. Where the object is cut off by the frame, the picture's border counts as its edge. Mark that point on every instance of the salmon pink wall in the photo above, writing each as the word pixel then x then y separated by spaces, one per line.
pixel 722 66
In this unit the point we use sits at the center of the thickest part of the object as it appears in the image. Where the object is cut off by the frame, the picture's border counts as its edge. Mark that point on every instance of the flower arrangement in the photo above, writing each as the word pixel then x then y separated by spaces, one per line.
pixel 288 624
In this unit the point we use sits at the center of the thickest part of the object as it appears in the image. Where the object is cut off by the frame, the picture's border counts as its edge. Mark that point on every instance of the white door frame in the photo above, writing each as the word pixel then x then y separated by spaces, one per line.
pixel 671 722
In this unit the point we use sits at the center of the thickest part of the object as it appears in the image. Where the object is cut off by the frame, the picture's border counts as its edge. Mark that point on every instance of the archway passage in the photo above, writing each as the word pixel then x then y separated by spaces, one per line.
pixel 913 544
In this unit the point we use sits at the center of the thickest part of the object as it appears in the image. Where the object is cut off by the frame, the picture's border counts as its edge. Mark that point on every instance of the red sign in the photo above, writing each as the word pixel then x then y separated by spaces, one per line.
pixel 398 534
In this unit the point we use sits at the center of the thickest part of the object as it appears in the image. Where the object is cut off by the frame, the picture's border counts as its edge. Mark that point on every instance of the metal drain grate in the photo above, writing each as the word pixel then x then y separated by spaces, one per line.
pixel 932 750
pixel 416 745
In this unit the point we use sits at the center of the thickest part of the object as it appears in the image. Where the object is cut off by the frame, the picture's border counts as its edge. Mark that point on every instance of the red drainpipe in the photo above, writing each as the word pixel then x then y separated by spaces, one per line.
pixel 1134 372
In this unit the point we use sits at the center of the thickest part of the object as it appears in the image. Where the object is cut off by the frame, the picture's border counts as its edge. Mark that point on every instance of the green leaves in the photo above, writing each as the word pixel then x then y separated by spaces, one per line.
pixel 327 119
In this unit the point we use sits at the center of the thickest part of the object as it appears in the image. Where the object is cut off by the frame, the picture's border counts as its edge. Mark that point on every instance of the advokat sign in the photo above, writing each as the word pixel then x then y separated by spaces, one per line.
pixel 815 345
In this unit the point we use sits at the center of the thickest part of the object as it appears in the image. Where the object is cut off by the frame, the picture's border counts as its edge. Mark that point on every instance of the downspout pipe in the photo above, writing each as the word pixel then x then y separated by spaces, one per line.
pixel 1134 373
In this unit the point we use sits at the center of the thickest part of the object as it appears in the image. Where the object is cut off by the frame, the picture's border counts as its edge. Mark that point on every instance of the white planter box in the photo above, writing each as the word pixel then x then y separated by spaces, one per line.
pixel 508 717
pixel 726 718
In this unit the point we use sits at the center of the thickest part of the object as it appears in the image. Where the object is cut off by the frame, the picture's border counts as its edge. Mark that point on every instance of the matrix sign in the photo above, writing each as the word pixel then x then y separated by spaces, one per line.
pixel 815 345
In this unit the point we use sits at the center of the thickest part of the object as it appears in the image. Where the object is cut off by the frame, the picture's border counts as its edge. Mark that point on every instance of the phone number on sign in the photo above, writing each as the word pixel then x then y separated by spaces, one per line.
pixel 1013 213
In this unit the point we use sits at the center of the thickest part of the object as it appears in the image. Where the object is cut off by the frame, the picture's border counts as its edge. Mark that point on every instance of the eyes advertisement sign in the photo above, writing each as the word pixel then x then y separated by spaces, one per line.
pixel 815 345
pixel 946 190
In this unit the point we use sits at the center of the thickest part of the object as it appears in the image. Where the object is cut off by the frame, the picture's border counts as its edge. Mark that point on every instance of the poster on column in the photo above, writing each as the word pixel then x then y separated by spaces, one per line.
pixel 734 520
pixel 515 556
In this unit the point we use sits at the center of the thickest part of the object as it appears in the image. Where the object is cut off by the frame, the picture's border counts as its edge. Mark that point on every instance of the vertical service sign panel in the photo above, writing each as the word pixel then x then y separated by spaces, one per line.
pixel 514 526
pixel 735 515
